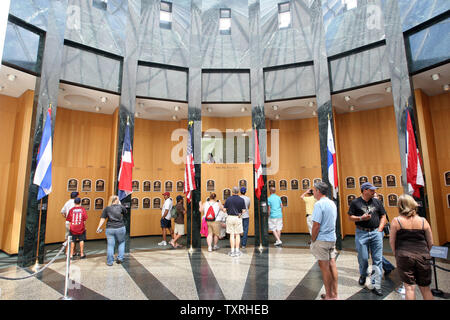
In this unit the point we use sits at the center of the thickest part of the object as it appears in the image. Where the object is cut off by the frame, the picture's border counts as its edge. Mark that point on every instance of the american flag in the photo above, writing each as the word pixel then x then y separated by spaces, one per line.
pixel 189 171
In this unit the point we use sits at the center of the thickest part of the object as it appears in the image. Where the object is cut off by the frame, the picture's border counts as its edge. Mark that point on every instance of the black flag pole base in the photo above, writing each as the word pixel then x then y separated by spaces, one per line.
pixel 437 292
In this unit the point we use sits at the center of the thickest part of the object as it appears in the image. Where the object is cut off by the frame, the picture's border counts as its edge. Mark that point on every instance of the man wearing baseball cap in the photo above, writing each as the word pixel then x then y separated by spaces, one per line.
pixel 245 216
pixel 165 218
pixel 369 216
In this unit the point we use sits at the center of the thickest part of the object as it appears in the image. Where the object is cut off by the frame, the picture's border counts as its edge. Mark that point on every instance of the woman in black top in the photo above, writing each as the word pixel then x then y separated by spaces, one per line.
pixel 115 229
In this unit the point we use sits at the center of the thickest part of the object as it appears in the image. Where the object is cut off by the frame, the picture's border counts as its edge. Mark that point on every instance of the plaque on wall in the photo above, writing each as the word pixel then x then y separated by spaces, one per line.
pixel 284 201
pixel 86 203
pixel 100 185
pixel 157 203
pixel 146 186
pixel 226 194
pixel 350 183
pixel 377 181
pixel 242 183
pixel 135 185
pixel 271 184
pixel 350 198
pixel 294 184
pixel 168 186
pixel 86 185
pixel 391 181
pixel 134 203
pixel 363 179
pixel 72 185
pixel 283 185
pixel 210 185
pixel 447 178
pixel 306 184
pixel 156 187
pixel 98 204
pixel 316 180
pixel 180 186
pixel 146 203
pixel 392 200
pixel 381 198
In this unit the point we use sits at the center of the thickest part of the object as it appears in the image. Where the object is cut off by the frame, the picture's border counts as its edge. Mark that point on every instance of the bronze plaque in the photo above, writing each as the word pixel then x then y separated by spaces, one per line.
pixel 350 183
pixel 86 185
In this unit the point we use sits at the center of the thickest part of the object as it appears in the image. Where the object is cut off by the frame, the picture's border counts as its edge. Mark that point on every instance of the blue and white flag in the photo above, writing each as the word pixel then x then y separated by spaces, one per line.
pixel 43 174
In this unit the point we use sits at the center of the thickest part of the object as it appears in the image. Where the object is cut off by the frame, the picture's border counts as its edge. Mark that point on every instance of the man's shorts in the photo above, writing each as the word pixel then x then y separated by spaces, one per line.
pixel 78 237
pixel 166 224
pixel 323 250
pixel 275 224
pixel 234 225
pixel 213 227
pixel 179 229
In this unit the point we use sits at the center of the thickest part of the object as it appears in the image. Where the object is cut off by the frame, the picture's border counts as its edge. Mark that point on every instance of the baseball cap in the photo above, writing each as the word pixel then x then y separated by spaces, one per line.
pixel 74 194
pixel 243 190
pixel 179 198
pixel 77 200
pixel 367 185
pixel 166 194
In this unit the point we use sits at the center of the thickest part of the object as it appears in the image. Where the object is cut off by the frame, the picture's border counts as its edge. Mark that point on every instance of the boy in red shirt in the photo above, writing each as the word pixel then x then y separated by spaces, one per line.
pixel 77 216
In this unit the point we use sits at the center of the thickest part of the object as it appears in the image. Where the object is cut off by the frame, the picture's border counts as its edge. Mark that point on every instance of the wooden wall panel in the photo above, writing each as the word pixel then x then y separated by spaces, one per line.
pixel 440 115
pixel 81 150
pixel 299 158
pixel 368 146
pixel 152 154
pixel 227 176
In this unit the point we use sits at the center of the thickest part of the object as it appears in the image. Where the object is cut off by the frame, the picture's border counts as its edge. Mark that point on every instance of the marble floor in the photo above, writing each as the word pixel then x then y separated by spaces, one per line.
pixel 150 272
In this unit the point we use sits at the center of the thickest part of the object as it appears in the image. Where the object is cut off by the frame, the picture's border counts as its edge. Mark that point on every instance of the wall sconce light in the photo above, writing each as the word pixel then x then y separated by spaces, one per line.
pixel 446 87
pixel 243 109
pixel 388 89
pixel 277 116
pixel 209 109
pixel 435 76
pixel 177 108
pixel 352 108
pixel 98 109
pixel 137 114
pixel 314 113
pixel 347 98
pixel 311 104
pixel 1 88
pixel 103 99
pixel 174 117
pixel 11 77
pixel 275 107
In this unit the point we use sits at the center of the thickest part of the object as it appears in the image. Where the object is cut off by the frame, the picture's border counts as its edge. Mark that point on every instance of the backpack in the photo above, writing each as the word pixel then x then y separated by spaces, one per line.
pixel 210 214
pixel 173 212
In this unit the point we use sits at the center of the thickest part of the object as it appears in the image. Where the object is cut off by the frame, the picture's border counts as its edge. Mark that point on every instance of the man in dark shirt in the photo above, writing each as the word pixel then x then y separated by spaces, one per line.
pixel 369 217
pixel 235 206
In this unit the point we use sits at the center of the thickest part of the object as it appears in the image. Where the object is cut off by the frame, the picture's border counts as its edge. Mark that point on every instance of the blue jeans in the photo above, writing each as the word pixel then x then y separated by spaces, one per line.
pixel 245 222
pixel 365 241
pixel 387 266
pixel 113 235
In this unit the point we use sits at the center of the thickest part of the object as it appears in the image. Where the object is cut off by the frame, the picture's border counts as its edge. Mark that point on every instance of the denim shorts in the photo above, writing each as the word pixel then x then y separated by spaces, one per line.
pixel 166 223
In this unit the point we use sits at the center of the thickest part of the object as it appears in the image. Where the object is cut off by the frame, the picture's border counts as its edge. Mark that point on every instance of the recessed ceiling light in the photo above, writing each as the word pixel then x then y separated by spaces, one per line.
pixel 275 107
pixel 314 113
pixel 11 77
pixel 311 104
pixel 347 98
pixel 435 76
pixel 277 116
pixel 103 99
pixel 98 109
pixel 174 117
pixel 177 108
pixel 388 89
pixel 446 87
pixel 243 109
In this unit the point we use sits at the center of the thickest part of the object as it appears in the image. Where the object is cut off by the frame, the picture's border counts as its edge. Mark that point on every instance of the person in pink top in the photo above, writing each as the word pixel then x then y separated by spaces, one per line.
pixel 77 217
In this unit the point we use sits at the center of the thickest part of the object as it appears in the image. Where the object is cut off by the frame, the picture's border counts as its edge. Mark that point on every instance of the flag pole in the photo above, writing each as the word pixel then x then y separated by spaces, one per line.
pixel 190 250
pixel 36 262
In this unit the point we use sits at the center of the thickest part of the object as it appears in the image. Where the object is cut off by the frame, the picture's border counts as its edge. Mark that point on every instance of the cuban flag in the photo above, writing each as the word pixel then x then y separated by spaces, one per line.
pixel 259 181
pixel 331 161
pixel 189 170
pixel 414 175
pixel 126 167
pixel 43 174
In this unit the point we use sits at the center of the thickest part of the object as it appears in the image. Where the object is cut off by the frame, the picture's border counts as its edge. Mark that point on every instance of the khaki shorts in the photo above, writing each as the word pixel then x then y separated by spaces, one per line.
pixel 234 225
pixel 179 229
pixel 213 227
pixel 323 250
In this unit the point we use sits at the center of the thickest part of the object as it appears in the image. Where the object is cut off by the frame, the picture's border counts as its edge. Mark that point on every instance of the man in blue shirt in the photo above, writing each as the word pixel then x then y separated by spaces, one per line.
pixel 275 215
pixel 323 239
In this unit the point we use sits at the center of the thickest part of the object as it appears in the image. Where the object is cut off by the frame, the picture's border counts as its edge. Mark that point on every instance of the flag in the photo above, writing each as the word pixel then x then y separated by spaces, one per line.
pixel 414 176
pixel 259 181
pixel 331 161
pixel 43 174
pixel 189 171
pixel 126 167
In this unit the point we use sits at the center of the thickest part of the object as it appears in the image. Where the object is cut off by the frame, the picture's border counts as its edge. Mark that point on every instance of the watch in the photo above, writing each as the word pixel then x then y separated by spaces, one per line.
pixel 360 217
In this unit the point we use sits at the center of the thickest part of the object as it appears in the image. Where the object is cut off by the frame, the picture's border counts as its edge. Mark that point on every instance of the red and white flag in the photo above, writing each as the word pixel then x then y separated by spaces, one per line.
pixel 414 176
pixel 189 171
pixel 126 167
pixel 259 181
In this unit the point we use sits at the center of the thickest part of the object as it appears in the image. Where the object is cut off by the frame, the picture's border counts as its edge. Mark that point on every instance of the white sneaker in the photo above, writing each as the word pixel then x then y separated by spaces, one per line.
pixel 162 243
pixel 237 254
pixel 216 248
pixel 209 249
pixel 231 254
pixel 278 242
